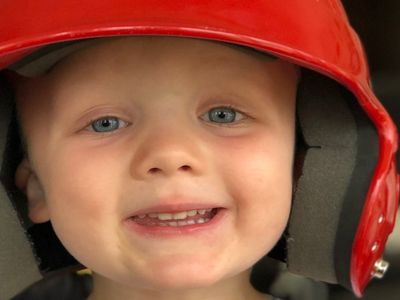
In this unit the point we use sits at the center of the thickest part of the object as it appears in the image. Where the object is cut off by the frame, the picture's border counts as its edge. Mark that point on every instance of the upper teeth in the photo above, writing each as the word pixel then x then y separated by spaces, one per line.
pixel 176 216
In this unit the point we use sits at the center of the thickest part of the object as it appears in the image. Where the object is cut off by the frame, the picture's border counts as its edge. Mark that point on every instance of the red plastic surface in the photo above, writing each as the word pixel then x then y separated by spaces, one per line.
pixel 310 33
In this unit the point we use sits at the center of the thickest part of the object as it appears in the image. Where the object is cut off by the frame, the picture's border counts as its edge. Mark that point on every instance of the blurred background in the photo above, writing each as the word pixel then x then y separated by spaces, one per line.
pixel 378 25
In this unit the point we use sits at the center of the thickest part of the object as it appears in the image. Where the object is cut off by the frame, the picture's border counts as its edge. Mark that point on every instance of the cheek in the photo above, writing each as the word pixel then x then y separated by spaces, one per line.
pixel 85 173
pixel 80 188
pixel 258 177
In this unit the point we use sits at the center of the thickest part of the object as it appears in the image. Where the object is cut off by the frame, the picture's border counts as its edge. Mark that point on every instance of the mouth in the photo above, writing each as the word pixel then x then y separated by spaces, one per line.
pixel 177 223
pixel 176 219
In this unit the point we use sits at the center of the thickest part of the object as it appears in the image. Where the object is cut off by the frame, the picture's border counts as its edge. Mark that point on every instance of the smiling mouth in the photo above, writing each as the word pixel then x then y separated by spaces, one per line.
pixel 176 219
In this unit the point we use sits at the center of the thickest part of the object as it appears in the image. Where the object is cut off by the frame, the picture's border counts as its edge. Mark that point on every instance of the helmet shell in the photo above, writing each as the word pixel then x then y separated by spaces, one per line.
pixel 311 34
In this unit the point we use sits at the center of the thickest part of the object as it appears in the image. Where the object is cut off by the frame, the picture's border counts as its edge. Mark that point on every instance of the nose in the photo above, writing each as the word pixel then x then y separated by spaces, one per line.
pixel 168 153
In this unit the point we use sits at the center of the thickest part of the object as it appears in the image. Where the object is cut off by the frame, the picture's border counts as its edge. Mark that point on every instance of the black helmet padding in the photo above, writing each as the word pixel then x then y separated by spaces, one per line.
pixel 337 169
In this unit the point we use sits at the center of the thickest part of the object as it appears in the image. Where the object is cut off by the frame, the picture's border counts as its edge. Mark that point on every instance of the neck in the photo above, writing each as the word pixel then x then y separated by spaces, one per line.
pixel 235 288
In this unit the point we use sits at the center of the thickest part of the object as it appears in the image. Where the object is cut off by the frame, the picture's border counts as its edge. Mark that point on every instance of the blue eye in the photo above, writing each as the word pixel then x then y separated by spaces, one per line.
pixel 222 115
pixel 107 124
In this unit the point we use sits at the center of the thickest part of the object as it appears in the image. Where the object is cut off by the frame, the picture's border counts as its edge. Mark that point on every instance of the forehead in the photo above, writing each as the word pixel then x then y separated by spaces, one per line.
pixel 117 52
pixel 148 62
pixel 143 63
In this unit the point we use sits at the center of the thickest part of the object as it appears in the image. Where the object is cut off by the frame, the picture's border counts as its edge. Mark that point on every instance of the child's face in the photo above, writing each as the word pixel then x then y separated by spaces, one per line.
pixel 166 148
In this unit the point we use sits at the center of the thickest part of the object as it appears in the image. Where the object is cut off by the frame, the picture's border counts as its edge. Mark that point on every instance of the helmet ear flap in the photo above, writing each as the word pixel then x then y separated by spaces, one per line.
pixel 17 262
pixel 27 250
pixel 342 151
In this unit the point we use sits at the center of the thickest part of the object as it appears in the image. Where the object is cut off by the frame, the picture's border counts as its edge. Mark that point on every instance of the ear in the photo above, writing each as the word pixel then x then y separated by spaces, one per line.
pixel 27 181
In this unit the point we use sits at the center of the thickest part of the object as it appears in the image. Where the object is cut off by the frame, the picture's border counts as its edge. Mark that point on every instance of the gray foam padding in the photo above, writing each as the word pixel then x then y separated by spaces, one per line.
pixel 18 267
pixel 329 129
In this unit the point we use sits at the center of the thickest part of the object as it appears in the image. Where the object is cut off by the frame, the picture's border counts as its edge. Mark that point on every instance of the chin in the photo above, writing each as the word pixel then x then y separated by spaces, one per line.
pixel 185 276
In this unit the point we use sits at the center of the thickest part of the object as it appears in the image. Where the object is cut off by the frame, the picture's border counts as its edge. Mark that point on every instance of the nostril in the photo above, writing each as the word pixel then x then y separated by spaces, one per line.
pixel 185 168
pixel 154 170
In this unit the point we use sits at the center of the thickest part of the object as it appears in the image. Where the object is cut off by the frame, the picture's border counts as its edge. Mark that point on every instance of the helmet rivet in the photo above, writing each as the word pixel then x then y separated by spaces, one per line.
pixel 380 268
pixel 374 247
pixel 380 220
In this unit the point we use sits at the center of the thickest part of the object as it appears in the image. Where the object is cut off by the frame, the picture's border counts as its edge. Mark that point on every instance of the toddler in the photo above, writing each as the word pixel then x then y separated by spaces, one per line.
pixel 170 151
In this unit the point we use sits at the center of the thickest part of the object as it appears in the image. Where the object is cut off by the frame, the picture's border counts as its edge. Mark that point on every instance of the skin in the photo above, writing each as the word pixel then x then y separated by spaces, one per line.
pixel 166 149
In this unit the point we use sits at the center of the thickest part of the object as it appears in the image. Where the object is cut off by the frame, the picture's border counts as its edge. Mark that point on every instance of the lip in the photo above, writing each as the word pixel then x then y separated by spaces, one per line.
pixel 170 231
